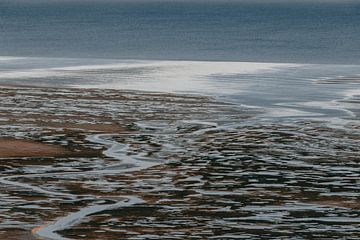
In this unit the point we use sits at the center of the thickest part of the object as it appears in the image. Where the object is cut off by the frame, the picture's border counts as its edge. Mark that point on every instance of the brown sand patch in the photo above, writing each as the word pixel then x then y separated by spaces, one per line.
pixel 27 148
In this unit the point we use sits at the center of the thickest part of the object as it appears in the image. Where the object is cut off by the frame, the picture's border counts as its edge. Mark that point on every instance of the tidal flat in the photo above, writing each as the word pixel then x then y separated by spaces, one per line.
pixel 113 164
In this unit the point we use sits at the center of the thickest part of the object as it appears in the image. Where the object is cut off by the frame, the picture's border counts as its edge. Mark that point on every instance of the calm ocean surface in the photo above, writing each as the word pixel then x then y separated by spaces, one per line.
pixel 266 31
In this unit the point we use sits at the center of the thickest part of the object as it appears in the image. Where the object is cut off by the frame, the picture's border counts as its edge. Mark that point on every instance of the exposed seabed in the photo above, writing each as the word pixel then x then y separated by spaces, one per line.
pixel 133 165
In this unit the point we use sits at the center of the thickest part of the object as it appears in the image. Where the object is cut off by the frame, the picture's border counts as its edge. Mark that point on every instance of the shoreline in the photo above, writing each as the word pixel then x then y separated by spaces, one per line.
pixel 180 60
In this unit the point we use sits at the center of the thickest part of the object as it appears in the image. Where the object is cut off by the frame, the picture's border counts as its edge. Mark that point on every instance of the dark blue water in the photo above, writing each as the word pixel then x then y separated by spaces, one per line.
pixel 271 31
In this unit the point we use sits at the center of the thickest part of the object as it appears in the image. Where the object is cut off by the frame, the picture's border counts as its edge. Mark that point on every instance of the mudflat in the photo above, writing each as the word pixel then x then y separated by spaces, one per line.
pixel 28 148
pixel 111 164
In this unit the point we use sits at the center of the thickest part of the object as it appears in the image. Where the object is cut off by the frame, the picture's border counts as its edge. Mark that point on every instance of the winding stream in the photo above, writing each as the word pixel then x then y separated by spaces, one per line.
pixel 114 150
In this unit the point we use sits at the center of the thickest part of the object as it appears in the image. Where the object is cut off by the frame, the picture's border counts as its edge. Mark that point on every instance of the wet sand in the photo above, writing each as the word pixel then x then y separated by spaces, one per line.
pixel 25 148
pixel 109 164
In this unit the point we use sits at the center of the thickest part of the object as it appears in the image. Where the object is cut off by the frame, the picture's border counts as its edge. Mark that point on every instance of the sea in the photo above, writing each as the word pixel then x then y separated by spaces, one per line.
pixel 296 31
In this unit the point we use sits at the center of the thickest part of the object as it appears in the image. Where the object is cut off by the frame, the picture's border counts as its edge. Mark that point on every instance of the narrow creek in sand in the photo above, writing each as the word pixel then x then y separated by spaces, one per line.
pixel 115 150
